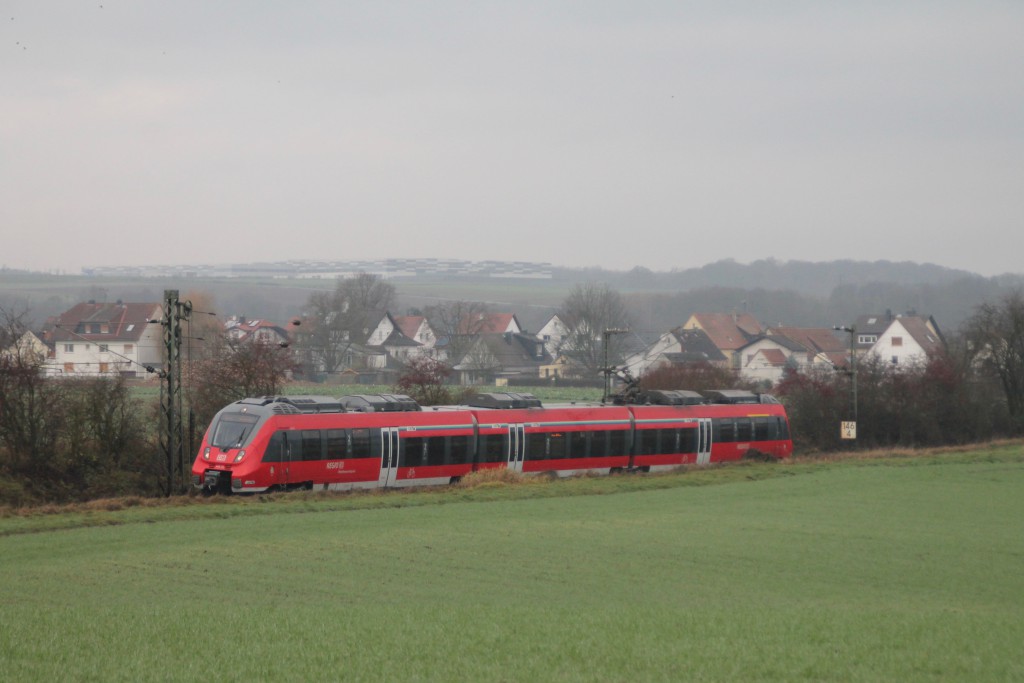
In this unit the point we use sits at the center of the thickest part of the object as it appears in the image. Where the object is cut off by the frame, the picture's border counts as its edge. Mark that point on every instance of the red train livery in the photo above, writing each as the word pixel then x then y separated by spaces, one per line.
pixel 319 442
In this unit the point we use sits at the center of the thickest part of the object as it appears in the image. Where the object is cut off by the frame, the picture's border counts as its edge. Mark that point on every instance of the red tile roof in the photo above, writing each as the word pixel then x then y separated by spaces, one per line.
pixel 773 356
pixel 409 324
pixel 488 323
pixel 729 331
pixel 105 322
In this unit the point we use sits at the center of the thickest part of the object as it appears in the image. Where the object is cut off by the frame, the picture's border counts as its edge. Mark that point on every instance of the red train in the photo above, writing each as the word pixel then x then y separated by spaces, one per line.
pixel 318 442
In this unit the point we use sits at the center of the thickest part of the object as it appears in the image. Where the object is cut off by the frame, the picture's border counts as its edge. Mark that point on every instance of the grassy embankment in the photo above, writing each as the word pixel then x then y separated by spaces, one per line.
pixel 897 568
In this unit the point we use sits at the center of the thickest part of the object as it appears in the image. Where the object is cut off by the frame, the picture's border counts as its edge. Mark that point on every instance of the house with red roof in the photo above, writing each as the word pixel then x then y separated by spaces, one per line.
pixel 100 339
pixel 797 348
pixel 490 323
pixel 729 332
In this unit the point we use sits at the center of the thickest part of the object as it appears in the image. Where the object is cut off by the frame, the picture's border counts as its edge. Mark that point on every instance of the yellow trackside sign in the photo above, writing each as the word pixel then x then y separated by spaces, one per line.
pixel 848 430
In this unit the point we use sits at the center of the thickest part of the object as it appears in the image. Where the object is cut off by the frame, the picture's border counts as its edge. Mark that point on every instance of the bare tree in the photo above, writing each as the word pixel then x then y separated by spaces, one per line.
pixel 334 321
pixel 425 379
pixel 29 413
pixel 236 370
pixel 590 311
pixel 456 324
pixel 995 334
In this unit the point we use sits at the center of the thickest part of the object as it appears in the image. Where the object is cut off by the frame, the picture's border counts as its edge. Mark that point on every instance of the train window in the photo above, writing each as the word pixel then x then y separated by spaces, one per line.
pixel 645 442
pixel 687 440
pixel 413 452
pixel 337 444
pixel 311 445
pixel 744 430
pixel 723 430
pixel 618 442
pixel 668 441
pixel 493 447
pixel 275 449
pixel 764 428
pixel 577 446
pixel 360 446
pixel 459 449
pixel 435 451
pixel 783 427
pixel 232 430
pixel 537 446
pixel 558 446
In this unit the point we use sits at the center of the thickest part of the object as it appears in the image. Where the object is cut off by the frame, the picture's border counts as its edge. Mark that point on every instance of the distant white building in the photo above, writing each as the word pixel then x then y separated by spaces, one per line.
pixel 94 339
pixel 908 339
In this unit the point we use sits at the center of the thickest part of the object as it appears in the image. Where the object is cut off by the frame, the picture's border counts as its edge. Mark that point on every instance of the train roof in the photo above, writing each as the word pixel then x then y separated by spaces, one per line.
pixel 295 404
pixel 380 403
pixel 504 400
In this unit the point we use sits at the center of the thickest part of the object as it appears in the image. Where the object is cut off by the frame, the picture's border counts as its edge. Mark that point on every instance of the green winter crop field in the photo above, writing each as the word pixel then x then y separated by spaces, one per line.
pixel 908 567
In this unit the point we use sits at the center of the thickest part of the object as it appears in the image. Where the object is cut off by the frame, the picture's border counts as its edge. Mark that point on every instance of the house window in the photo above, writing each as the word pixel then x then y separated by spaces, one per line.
pixel 128 348
pixel 897 341
pixel 69 348
pixel 104 348
pixel 895 360
pixel 867 338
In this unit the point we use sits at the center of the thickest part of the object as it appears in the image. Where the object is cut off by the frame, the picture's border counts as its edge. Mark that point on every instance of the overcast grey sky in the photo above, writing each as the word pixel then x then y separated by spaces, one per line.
pixel 663 134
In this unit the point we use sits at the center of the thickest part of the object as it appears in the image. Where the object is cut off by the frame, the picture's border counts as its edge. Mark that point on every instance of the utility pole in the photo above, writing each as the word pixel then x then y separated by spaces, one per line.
pixel 171 433
pixel 852 330
pixel 608 368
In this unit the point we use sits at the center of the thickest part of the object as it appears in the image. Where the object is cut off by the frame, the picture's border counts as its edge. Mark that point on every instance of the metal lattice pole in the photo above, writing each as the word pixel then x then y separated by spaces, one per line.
pixel 171 403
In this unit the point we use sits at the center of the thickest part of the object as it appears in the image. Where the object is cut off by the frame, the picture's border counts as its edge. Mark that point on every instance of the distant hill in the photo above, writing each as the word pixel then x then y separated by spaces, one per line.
pixel 791 292
pixel 815 278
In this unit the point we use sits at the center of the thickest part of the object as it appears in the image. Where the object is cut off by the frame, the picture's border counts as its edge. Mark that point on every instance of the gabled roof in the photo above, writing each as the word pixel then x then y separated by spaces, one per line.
pixel 409 324
pixel 774 356
pixel 695 346
pixel 101 323
pixel 919 329
pixel 399 338
pixel 512 350
pixel 729 331
pixel 489 323
pixel 813 339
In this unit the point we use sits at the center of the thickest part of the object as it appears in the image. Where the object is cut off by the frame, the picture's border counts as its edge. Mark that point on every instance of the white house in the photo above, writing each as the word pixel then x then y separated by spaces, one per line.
pixel 552 333
pixel 92 340
pixel 676 347
pixel 908 339
pixel 797 348
pixel 262 331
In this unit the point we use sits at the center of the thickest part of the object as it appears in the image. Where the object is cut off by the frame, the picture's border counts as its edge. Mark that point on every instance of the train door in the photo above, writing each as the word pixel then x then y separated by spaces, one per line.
pixel 703 440
pixel 516 447
pixel 282 470
pixel 388 456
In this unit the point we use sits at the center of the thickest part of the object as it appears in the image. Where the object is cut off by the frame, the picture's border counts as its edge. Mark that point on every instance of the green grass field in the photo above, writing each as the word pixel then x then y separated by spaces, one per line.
pixel 901 568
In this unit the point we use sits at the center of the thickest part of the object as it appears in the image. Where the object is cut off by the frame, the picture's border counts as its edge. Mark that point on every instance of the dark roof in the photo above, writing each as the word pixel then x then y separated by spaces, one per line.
pixel 814 339
pixel 695 346
pixel 512 351
pixel 930 341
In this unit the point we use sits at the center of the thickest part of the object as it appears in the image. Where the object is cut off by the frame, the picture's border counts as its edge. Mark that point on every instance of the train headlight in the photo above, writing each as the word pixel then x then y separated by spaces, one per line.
pixel 241 454
pixel 206 453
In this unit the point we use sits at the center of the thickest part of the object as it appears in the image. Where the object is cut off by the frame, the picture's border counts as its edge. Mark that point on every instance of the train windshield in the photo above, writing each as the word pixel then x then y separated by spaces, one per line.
pixel 232 430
